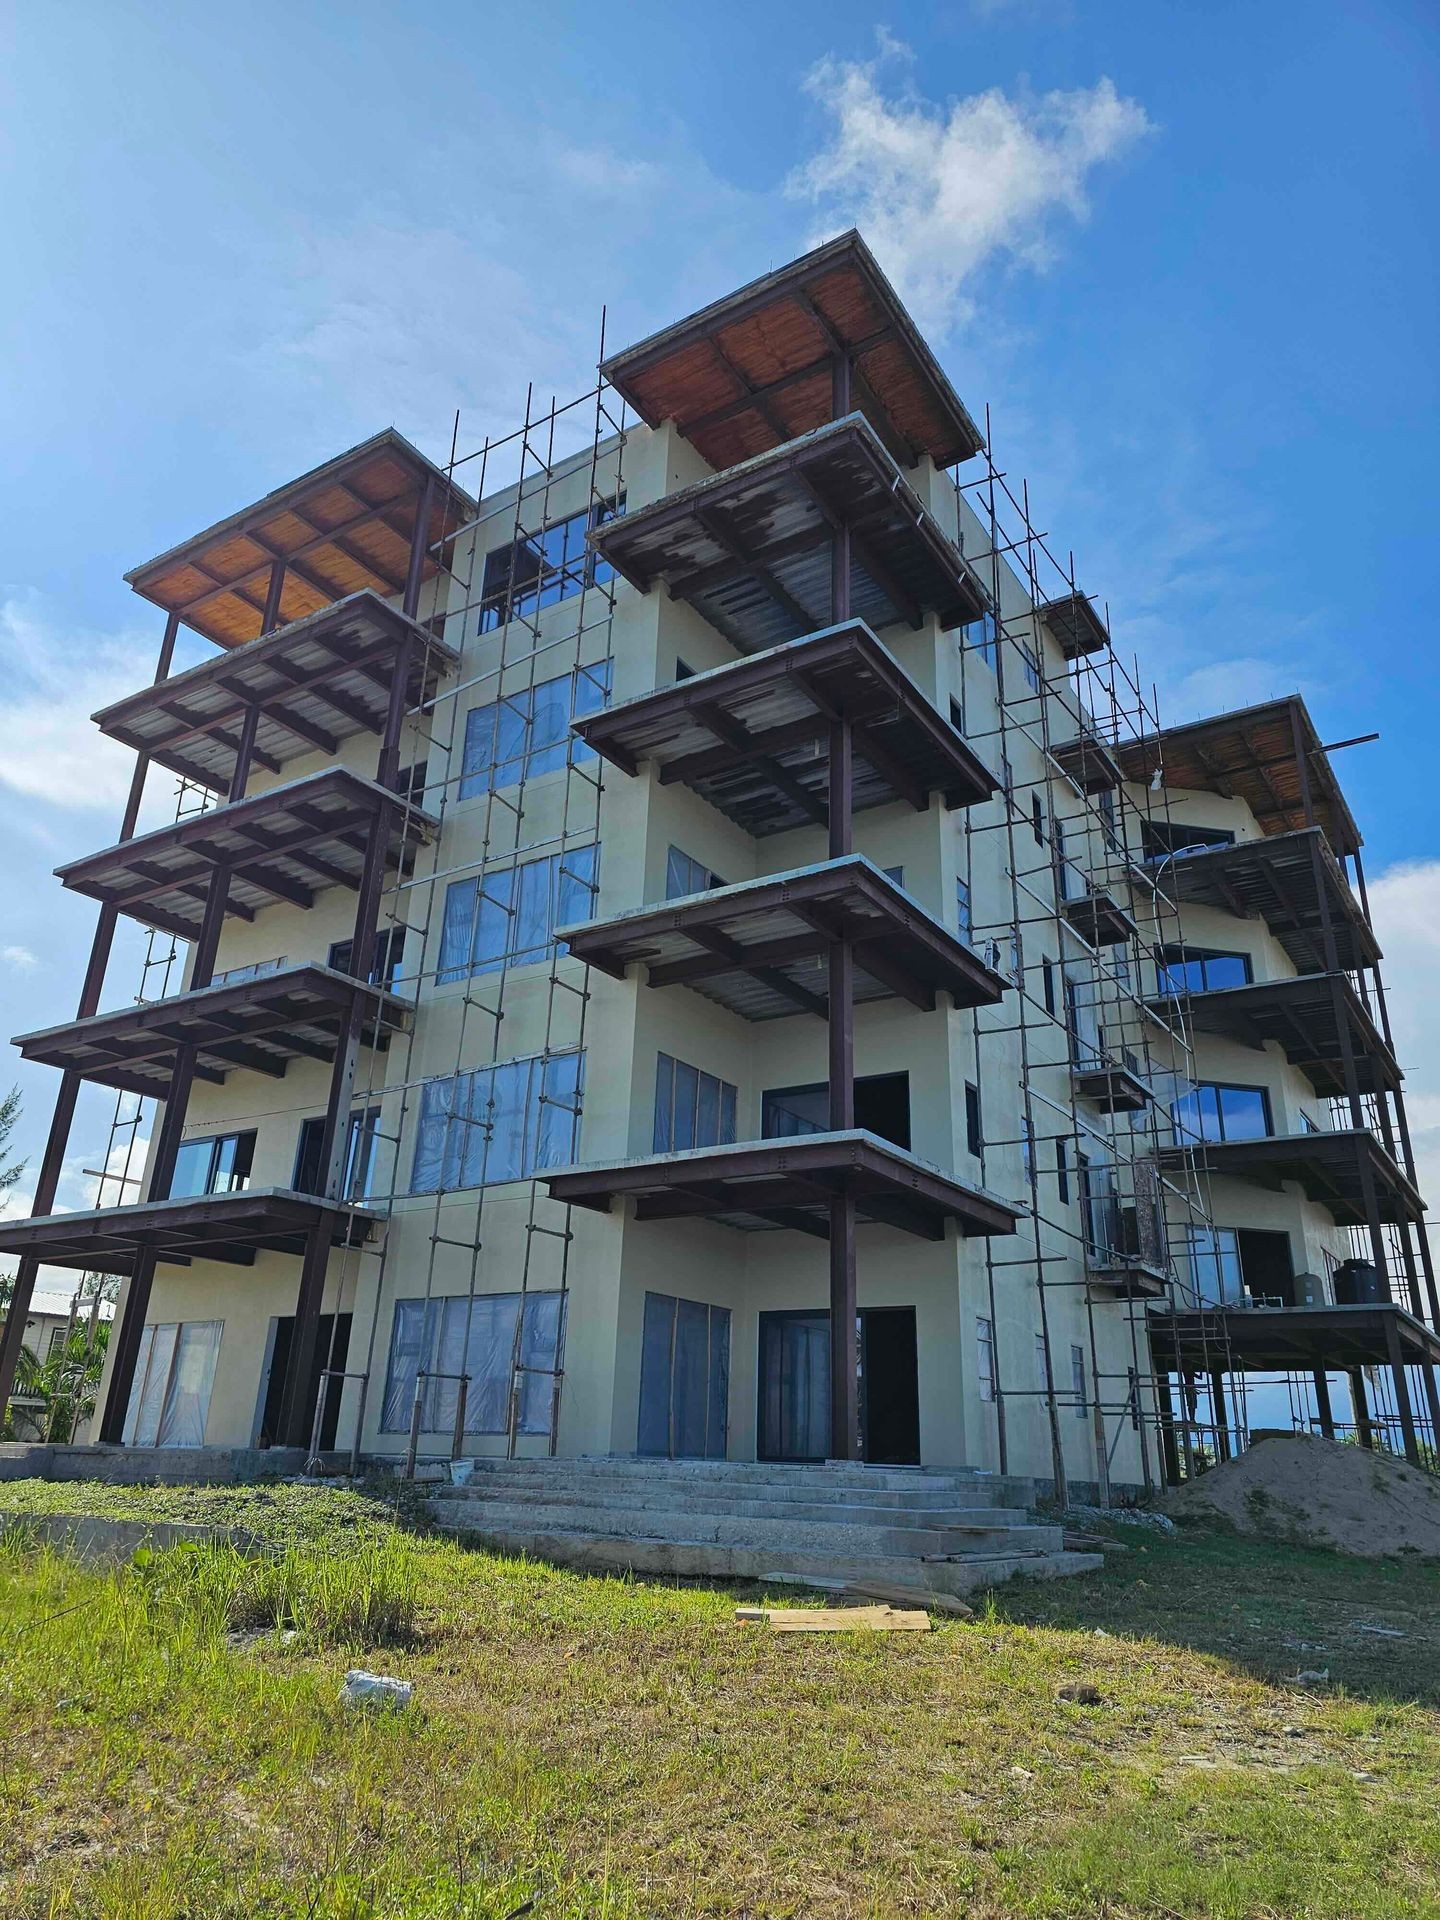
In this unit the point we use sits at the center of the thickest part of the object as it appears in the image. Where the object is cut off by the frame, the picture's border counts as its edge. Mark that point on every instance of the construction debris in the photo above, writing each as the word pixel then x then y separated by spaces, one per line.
pixel 894 1591
pixel 880 1619
pixel 375 1691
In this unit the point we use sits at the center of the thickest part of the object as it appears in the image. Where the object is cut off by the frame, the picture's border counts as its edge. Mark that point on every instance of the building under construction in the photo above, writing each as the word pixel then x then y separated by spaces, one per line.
pixel 680 936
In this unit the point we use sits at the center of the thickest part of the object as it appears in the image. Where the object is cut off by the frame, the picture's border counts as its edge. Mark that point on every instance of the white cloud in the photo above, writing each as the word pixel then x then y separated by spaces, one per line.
pixel 941 190
pixel 1405 904
pixel 19 959
pixel 56 676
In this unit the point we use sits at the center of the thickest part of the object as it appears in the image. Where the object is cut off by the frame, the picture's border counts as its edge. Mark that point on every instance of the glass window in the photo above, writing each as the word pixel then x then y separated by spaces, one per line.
pixel 1159 839
pixel 1077 1381
pixel 962 909
pixel 1037 819
pixel 1214 1259
pixel 985 1351
pixel 1200 970
pixel 1041 1369
pixel 509 917
pixel 528 732
pixel 386 960
pixel 357 1178
pixel 973 1136
pixel 474 1336
pixel 983 636
pixel 692 1109
pixel 1062 1170
pixel 1027 1148
pixel 220 1164
pixel 1030 664
pixel 498 1123
pixel 685 875
pixel 1212 1111
pixel 535 570
pixel 170 1394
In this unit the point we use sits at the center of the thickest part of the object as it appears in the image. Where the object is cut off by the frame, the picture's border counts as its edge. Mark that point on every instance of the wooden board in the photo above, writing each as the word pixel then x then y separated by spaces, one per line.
pixel 882 1619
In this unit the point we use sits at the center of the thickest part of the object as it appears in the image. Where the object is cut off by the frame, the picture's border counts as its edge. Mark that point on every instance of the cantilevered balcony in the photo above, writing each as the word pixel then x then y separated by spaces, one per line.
pixel 1301 1016
pixel 232 1227
pixel 751 549
pixel 316 683
pixel 756 368
pixel 262 1024
pixel 753 738
pixel 1076 627
pixel 285 845
pixel 760 949
pixel 1334 1168
pixel 790 1183
pixel 1291 881
pixel 343 528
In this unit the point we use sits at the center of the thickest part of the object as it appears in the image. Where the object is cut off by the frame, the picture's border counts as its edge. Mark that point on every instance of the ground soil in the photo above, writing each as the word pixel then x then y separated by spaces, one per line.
pixel 1319 1493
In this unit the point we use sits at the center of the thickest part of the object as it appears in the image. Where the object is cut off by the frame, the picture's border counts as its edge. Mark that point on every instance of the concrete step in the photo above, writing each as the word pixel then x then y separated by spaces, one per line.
pixel 839 1536
pixel 871 1507
pixel 809 1483
pixel 710 1560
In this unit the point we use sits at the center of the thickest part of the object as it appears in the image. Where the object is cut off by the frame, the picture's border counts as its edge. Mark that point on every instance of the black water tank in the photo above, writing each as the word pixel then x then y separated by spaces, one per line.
pixel 1358 1284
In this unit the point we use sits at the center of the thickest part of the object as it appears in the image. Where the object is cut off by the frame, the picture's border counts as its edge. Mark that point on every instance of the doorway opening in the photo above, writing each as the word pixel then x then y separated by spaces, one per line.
pixel 325 1356
pixel 794 1398
pixel 882 1107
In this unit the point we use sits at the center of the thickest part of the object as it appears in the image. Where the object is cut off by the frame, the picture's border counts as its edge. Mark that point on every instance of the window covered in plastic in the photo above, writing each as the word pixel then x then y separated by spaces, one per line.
pixel 537 569
pixel 692 1109
pixel 509 917
pixel 504 1122
pixel 528 732
pixel 477 1337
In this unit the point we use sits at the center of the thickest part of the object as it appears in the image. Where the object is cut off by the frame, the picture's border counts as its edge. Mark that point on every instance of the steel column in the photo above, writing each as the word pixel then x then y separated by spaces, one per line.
pixel 1322 1402
pixel 270 619
pixel 1402 1391
pixel 1360 1407
pixel 52 1161
pixel 1222 1422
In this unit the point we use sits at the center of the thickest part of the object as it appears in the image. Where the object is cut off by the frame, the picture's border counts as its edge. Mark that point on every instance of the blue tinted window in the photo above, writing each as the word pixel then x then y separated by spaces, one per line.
pixel 692 1109
pixel 510 916
pixel 1211 1111
pixel 498 1123
pixel 538 569
pixel 1195 970
pixel 528 732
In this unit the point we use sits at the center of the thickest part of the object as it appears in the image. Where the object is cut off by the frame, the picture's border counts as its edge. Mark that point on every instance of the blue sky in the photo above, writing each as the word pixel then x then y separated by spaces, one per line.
pixel 1187 253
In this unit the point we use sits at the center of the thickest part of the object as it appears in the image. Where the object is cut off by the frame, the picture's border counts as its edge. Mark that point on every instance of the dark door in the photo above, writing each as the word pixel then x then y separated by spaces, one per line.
pixel 1265 1263
pixel 684 1379
pixel 324 1357
pixel 794 1421
pixel 889 1386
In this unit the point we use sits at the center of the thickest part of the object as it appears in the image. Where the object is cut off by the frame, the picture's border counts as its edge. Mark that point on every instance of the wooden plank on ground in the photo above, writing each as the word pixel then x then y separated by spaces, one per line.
pixel 878 1619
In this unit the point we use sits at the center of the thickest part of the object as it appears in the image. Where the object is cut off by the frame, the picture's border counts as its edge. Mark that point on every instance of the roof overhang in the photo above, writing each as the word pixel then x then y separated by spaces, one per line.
pixel 1088 761
pixel 1332 1168
pixel 1289 880
pixel 760 949
pixel 316 682
pixel 1299 1015
pixel 231 1227
pixel 754 369
pixel 341 528
pixel 750 549
pixel 753 738
pixel 791 1183
pixel 286 844
pixel 263 1024
pixel 1264 755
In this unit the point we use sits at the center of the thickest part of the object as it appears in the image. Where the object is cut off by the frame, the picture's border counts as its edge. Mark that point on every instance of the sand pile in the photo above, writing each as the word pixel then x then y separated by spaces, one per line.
pixel 1319 1493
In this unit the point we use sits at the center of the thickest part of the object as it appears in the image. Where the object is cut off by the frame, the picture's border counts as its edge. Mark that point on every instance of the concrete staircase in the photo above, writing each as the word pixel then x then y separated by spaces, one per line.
pixel 738 1520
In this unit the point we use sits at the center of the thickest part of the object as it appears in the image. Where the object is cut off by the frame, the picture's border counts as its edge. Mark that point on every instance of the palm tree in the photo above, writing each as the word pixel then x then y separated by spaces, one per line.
pixel 66 1382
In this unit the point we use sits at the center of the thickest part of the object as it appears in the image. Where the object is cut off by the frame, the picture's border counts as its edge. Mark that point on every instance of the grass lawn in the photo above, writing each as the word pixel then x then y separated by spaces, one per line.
pixel 585 1746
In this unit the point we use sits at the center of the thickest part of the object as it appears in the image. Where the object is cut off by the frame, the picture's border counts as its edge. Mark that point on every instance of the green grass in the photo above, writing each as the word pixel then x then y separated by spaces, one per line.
pixel 605 1747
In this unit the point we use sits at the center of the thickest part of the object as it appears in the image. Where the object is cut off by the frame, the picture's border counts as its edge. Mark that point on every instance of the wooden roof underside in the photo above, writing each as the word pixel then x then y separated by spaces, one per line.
pixel 1250 755
pixel 754 369
pixel 345 527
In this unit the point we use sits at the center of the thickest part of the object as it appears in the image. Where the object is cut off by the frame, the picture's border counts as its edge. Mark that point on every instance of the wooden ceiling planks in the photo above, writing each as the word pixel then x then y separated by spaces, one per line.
pixel 342 529
pixel 753 370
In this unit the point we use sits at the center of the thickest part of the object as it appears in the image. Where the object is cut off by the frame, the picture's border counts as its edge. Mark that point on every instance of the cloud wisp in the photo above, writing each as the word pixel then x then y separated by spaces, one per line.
pixel 941 191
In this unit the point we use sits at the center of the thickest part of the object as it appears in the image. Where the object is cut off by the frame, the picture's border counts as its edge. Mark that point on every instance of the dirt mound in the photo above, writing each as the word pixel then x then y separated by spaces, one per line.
pixel 1318 1493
